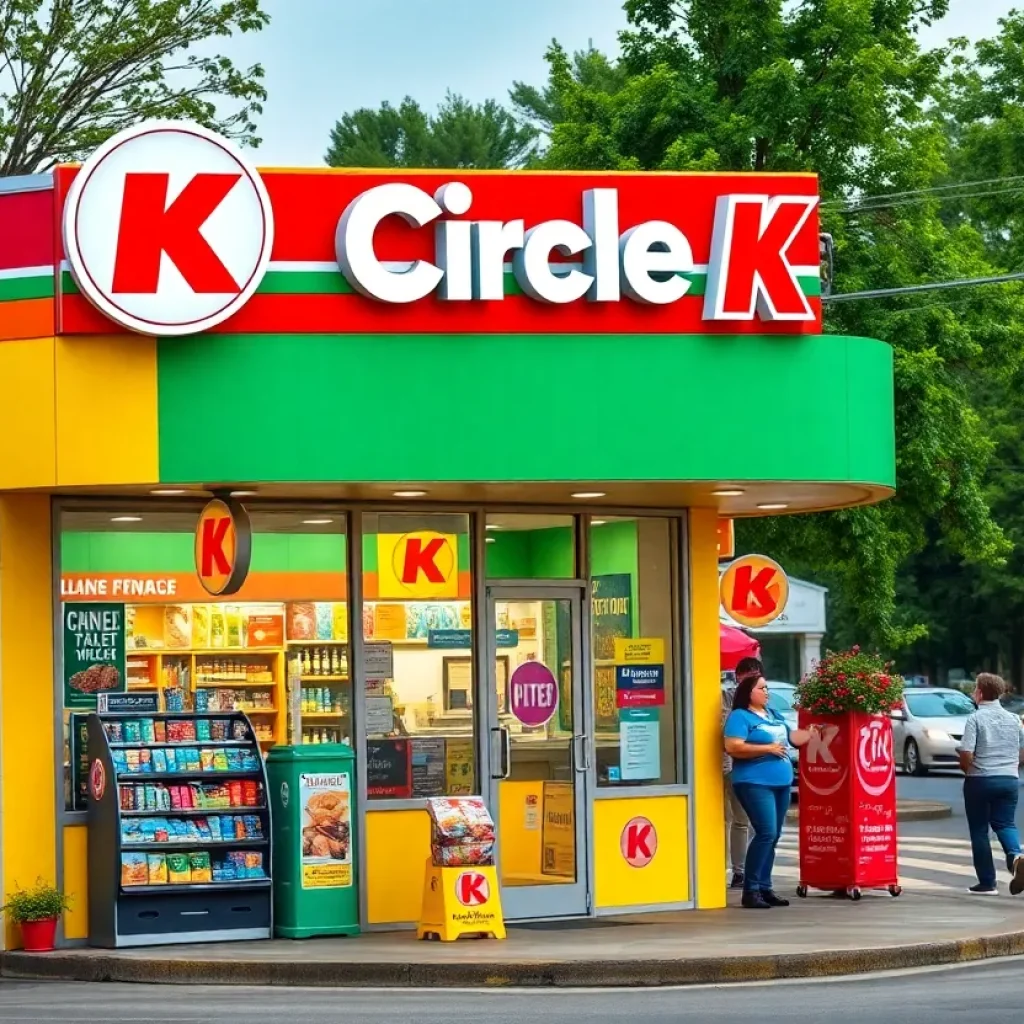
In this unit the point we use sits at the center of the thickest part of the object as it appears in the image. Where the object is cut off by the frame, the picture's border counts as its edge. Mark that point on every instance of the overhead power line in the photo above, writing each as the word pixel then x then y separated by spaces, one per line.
pixel 864 200
pixel 917 289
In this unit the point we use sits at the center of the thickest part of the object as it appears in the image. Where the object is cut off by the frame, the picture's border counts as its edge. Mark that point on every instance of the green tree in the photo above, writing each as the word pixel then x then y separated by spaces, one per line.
pixel 841 87
pixel 75 72
pixel 460 134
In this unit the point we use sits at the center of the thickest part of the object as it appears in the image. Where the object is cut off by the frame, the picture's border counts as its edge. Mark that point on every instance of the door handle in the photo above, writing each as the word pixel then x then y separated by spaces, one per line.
pixel 504 757
pixel 582 758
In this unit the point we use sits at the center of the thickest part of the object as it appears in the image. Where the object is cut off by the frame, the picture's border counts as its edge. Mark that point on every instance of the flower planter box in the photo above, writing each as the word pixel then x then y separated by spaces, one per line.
pixel 848 805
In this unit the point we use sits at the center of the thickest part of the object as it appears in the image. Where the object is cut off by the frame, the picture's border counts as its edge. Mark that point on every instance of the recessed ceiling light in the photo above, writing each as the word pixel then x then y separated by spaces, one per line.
pixel 492 526
pixel 316 522
pixel 598 522
pixel 168 492
pixel 491 540
pixel 589 494
pixel 242 494
pixel 728 492
pixel 410 494
pixel 126 519
pixel 773 506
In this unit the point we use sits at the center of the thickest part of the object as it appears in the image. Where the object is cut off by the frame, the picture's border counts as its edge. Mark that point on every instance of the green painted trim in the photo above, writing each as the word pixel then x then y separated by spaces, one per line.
pixel 38 286
pixel 638 407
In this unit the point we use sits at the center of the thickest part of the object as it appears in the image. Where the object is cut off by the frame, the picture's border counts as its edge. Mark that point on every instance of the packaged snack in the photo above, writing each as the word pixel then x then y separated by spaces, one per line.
pixel 192 831
pixel 145 760
pixel 193 761
pixel 133 763
pixel 215 827
pixel 163 832
pixel 176 798
pixel 163 798
pixel 132 732
pixel 239 826
pixel 250 793
pixel 218 627
pixel 220 760
pixel 204 829
pixel 250 761
pixel 159 760
pixel 463 855
pixel 252 826
pixel 170 758
pixel 236 858
pixel 200 625
pixel 253 864
pixel 203 729
pixel 179 830
pixel 239 730
pixel 219 729
pixel 152 800
pixel 202 700
pixel 160 731
pixel 206 760
pixel 114 732
pixel 147 728
pixel 178 870
pixel 157 869
pixel 457 820
pixel 178 625
pixel 174 699
pixel 236 791
pixel 324 622
pixel 134 869
pixel 199 864
pixel 126 796
pixel 188 731
pixel 120 759
pixel 234 758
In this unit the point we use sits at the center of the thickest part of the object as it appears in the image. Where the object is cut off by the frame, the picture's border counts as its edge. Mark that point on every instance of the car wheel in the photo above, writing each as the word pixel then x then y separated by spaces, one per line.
pixel 912 759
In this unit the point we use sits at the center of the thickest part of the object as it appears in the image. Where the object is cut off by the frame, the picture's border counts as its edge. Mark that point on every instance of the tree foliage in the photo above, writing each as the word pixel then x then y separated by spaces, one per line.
pixel 841 87
pixel 75 72
pixel 459 134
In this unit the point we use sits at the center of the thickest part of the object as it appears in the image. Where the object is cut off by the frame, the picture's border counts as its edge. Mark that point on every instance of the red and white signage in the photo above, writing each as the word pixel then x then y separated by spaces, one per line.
pixel 167 229
pixel 472 889
pixel 639 842
pixel 754 590
pixel 848 802
pixel 223 547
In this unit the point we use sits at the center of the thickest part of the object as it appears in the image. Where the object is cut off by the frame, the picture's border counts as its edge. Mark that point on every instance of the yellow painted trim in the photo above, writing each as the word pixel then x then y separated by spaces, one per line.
pixel 106 429
pixel 397 847
pixel 76 880
pixel 28 453
pixel 708 789
pixel 28 814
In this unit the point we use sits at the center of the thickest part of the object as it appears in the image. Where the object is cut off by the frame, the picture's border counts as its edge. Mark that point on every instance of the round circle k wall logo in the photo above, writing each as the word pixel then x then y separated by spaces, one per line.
pixel 168 229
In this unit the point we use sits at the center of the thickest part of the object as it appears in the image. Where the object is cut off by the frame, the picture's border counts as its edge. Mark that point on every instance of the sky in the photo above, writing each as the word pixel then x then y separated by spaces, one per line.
pixel 325 57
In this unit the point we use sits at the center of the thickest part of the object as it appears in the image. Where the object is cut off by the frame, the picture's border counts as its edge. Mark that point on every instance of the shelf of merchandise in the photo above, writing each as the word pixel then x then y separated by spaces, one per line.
pixel 317 643
pixel 161 911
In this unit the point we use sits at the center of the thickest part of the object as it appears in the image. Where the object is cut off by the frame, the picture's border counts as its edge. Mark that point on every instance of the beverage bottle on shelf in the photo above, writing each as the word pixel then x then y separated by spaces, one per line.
pixel 307 662
pixel 335 663
pixel 316 661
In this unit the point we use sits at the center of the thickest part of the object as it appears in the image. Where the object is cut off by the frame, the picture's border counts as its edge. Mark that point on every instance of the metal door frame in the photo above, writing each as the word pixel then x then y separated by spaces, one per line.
pixel 567 900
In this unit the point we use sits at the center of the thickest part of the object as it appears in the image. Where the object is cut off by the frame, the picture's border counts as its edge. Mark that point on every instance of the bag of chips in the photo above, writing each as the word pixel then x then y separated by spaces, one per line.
pixel 134 869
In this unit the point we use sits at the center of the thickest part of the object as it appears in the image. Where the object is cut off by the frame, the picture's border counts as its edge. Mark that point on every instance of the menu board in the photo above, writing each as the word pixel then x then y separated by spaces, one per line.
pixel 428 767
pixel 388 768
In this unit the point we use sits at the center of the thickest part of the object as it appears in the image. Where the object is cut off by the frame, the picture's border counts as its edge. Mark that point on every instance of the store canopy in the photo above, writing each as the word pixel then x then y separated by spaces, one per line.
pixel 735 645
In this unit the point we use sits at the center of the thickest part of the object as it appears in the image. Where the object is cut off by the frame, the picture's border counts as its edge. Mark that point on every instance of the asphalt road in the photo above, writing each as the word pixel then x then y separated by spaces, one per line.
pixel 946 787
pixel 982 993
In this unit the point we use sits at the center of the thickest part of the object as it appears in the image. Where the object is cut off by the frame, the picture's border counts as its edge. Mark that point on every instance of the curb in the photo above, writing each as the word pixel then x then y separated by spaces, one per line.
pixel 917 810
pixel 557 974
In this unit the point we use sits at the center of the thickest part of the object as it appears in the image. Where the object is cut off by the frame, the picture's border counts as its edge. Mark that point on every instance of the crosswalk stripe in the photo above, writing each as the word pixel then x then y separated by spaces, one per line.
pixel 937 867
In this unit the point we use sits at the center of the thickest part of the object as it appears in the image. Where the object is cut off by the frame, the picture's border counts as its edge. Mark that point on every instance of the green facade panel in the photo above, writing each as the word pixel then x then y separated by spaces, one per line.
pixel 368 408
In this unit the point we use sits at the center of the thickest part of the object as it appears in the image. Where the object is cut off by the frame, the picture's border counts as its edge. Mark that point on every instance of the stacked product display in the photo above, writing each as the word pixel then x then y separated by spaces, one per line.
pixel 461 832
pixel 179 830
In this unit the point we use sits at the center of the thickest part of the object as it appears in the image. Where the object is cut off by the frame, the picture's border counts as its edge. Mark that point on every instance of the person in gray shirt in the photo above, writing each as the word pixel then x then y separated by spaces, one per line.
pixel 991 752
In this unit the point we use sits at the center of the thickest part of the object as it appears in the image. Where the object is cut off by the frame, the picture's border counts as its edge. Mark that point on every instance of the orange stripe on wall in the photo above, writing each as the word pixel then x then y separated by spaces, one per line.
pixel 185 588
pixel 27 318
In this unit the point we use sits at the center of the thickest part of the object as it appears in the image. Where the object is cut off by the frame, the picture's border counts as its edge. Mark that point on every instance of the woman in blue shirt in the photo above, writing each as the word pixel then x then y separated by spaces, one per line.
pixel 757 739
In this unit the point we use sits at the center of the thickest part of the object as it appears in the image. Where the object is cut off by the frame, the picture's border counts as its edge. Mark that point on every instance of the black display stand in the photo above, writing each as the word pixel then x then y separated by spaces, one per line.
pixel 169 912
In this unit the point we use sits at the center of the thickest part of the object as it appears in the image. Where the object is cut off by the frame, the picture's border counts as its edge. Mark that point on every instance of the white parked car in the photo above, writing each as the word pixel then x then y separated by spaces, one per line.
pixel 929 728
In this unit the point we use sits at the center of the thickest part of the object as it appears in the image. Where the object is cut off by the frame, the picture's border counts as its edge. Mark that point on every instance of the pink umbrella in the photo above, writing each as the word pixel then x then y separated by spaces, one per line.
pixel 735 645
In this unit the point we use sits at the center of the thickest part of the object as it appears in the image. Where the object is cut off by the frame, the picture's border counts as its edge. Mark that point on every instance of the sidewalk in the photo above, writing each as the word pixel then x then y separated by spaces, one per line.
pixel 817 937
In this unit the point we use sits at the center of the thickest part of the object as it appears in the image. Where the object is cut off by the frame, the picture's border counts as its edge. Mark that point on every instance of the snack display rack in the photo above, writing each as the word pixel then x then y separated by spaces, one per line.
pixel 179 831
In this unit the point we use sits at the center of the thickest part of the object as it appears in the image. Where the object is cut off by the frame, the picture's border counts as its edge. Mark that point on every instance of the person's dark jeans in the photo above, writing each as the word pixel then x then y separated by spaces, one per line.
pixel 766 807
pixel 991 800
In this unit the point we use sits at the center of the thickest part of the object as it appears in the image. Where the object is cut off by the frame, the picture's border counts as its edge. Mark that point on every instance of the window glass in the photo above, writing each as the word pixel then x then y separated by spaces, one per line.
pixel 134 617
pixel 634 596
pixel 417 629
pixel 530 547
pixel 939 705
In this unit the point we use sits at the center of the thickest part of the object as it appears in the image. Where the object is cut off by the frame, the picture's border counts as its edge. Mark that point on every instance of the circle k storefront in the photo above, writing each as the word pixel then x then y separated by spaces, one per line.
pixel 484 426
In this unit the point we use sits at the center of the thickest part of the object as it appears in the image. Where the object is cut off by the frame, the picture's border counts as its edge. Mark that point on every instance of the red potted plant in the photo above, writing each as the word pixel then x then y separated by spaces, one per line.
pixel 36 911
pixel 850 681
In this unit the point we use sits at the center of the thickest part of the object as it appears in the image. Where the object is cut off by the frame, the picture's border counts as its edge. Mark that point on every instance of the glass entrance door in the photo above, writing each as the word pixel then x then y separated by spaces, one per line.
pixel 539 749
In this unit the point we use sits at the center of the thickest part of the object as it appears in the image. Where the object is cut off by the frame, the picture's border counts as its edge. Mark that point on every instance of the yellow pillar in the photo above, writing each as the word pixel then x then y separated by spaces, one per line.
pixel 28 839
pixel 707 789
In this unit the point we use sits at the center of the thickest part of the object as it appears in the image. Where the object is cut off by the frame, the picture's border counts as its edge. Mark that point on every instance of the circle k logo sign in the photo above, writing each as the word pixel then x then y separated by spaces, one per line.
pixel 168 229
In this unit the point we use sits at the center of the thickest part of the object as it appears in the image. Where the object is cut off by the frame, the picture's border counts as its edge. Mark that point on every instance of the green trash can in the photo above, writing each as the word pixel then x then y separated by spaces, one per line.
pixel 312 798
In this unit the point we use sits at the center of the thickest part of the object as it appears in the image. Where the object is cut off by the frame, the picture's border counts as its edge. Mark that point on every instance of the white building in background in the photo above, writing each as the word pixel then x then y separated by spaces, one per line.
pixel 792 643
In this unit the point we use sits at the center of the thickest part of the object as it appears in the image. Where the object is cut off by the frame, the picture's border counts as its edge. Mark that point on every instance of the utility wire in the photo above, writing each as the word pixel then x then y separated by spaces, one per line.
pixel 917 289
pixel 864 200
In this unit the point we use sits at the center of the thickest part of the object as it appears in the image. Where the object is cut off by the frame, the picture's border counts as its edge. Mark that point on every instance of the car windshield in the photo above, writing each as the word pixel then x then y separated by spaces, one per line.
pixel 939 705
pixel 780 699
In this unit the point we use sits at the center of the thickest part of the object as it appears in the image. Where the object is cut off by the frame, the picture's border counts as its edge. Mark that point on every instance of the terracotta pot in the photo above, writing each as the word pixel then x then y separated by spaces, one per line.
pixel 38 936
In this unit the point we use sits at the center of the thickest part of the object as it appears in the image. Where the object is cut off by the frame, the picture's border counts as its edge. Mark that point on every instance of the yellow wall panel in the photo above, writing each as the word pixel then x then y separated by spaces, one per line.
pixel 27 439
pixel 27 758
pixel 76 882
pixel 666 879
pixel 521 834
pixel 106 410
pixel 397 848
pixel 708 789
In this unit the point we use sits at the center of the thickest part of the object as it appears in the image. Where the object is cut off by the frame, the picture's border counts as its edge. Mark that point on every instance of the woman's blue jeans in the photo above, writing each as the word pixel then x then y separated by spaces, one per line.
pixel 766 807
